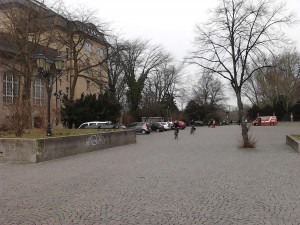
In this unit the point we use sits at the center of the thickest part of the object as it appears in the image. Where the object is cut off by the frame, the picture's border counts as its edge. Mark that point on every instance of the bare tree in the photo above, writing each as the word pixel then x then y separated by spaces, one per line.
pixel 182 97
pixel 239 33
pixel 116 75
pixel 278 83
pixel 208 90
pixel 251 91
pixel 160 90
pixel 82 29
pixel 162 82
pixel 139 60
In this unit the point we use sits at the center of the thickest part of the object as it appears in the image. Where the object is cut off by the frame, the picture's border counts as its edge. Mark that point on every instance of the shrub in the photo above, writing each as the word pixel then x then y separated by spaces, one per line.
pixel 90 108
pixel 250 143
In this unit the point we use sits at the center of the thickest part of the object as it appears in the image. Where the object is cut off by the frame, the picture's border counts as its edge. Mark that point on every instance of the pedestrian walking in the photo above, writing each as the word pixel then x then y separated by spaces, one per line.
pixel 213 123
pixel 176 129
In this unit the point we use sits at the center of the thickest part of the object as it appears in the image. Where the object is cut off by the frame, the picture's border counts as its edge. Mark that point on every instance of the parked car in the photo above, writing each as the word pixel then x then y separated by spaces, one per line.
pixel 140 127
pixel 181 124
pixel 155 126
pixel 265 120
pixel 166 125
pixel 96 125
pixel 119 126
pixel 198 123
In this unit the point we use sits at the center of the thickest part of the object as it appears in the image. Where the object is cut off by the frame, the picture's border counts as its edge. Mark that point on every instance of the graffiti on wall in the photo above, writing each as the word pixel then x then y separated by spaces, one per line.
pixel 95 139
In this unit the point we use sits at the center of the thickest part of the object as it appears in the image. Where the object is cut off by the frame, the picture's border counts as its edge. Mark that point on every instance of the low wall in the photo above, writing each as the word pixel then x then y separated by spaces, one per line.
pixel 21 150
pixel 295 144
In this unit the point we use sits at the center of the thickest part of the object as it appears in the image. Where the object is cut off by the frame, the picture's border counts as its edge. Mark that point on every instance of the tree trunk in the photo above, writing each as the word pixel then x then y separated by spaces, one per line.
pixel 25 99
pixel 242 118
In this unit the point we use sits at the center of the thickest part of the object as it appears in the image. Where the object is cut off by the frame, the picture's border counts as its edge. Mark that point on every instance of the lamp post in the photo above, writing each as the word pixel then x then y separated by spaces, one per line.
pixel 58 95
pixel 44 66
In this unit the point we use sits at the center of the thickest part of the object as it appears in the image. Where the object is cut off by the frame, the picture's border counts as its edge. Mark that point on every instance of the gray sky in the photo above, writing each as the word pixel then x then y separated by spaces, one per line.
pixel 169 23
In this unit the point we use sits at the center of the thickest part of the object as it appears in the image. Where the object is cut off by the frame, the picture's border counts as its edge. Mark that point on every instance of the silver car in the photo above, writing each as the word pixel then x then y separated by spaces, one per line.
pixel 140 127
pixel 97 125
pixel 166 125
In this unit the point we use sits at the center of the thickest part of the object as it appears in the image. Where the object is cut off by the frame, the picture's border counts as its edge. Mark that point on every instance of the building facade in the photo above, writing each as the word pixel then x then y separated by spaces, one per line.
pixel 29 28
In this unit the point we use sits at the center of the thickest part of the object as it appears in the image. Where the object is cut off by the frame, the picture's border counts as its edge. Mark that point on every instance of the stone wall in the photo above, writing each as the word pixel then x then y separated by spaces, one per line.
pixel 20 150
pixel 292 142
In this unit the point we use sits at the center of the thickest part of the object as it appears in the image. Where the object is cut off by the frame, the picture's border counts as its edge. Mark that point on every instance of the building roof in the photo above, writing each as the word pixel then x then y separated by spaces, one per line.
pixel 8 47
pixel 51 19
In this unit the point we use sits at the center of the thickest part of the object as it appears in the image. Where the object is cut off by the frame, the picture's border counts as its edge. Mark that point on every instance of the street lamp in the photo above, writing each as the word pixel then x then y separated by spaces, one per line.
pixel 58 65
pixel 44 66
pixel 58 95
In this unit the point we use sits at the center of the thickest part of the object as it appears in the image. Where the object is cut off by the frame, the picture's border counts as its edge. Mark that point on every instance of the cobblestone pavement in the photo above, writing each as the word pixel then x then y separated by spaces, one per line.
pixel 199 179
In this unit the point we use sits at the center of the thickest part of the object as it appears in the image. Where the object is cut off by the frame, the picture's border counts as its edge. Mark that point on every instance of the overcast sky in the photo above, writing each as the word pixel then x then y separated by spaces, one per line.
pixel 170 23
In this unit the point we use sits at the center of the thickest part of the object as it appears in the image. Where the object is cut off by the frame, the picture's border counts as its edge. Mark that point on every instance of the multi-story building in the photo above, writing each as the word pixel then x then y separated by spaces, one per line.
pixel 29 28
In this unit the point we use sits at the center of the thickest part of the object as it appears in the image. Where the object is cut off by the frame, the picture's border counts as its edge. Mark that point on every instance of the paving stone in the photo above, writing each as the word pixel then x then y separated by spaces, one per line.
pixel 203 178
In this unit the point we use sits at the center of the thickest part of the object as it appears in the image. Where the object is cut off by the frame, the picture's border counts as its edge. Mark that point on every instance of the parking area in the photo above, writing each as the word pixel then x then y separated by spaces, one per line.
pixel 203 178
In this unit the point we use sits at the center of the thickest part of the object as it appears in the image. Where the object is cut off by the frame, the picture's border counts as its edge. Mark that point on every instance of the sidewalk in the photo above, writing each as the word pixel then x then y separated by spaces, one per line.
pixel 198 179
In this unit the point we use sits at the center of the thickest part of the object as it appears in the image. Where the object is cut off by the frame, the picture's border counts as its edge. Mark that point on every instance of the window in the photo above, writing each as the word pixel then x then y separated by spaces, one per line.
pixel 10 87
pixel 87 46
pixel 67 54
pixel 100 52
pixel 88 65
pixel 39 92
pixel 88 85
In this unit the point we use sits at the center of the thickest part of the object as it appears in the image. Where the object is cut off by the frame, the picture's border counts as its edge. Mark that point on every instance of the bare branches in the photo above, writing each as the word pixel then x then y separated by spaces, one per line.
pixel 276 83
pixel 139 60
pixel 238 33
pixel 162 82
pixel 208 90
pixel 84 46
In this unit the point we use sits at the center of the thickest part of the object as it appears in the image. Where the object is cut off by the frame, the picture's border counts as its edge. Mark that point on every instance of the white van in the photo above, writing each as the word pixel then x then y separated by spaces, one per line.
pixel 96 125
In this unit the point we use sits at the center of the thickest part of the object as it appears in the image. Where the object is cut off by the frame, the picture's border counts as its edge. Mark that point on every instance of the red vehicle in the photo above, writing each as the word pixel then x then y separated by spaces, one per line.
pixel 265 121
pixel 181 124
